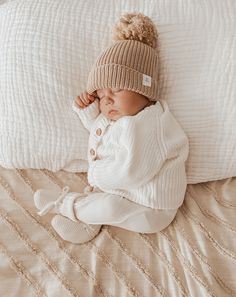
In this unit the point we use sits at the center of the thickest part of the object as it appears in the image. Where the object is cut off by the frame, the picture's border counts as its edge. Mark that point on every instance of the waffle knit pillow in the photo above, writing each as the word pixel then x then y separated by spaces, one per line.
pixel 41 72
pixel 47 48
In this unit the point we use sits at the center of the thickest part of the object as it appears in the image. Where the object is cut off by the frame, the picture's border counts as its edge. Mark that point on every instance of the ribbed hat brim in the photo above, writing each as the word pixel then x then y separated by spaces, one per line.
pixel 120 76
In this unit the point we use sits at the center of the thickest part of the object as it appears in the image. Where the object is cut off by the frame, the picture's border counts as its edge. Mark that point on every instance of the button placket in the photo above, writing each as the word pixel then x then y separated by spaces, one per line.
pixel 97 137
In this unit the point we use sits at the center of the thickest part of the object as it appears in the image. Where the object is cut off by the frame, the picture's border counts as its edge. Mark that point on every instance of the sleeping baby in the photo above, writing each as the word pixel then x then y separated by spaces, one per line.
pixel 137 150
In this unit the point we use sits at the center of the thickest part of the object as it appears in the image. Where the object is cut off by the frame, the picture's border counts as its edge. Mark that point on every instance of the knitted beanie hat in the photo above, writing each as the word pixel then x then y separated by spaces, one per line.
pixel 131 62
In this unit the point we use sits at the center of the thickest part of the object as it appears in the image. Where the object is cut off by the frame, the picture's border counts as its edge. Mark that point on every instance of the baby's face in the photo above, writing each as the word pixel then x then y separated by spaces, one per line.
pixel 116 103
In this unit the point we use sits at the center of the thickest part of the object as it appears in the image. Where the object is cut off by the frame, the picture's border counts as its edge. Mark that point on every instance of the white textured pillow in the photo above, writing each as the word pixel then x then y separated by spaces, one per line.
pixel 46 51
pixel 41 72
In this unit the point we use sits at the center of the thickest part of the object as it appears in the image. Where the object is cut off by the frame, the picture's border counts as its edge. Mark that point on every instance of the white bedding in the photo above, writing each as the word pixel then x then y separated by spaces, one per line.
pixel 48 46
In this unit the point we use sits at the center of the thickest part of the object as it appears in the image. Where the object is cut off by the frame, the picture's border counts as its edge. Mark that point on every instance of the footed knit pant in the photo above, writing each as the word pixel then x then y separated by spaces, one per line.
pixel 101 208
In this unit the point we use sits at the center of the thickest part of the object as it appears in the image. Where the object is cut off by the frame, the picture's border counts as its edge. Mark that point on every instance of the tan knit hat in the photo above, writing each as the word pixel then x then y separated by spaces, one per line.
pixel 131 62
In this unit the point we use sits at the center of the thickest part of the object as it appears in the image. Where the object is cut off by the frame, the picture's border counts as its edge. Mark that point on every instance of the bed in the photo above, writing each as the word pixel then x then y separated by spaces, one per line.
pixel 46 50
pixel 194 256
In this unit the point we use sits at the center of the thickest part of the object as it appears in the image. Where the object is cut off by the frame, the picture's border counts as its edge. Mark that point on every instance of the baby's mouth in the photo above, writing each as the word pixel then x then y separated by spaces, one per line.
pixel 112 112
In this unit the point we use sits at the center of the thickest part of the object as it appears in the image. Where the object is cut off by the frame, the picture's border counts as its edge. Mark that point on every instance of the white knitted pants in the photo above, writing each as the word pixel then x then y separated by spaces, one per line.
pixel 100 208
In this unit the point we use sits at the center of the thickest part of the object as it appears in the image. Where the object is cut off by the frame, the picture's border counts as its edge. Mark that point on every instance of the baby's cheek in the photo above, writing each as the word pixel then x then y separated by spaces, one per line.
pixel 127 106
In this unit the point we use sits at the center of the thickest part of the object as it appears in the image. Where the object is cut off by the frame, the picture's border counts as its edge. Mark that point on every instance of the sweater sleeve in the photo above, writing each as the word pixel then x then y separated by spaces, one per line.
pixel 137 158
pixel 87 115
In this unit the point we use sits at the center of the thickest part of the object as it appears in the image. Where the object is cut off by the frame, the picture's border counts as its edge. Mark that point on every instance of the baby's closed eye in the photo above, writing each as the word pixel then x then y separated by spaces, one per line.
pixel 116 90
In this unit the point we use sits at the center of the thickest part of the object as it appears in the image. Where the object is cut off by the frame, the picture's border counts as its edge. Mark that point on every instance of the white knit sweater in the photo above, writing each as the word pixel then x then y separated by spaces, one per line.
pixel 141 157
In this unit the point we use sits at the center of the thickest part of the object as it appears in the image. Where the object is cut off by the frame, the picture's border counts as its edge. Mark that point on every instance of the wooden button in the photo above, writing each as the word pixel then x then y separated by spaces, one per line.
pixel 92 152
pixel 99 131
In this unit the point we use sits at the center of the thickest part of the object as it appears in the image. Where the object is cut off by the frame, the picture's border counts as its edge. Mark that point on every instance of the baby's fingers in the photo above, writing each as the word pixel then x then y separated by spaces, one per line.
pixel 85 99
pixel 79 102
pixel 91 98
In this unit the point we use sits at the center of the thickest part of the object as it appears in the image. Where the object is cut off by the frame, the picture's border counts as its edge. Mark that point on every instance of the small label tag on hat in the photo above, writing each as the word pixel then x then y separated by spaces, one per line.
pixel 147 80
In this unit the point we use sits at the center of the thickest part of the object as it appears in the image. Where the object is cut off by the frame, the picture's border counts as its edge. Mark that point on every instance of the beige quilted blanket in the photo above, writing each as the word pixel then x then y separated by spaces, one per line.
pixel 194 256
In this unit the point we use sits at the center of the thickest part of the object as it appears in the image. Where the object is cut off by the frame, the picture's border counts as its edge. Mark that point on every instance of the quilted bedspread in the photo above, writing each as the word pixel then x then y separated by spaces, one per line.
pixel 194 256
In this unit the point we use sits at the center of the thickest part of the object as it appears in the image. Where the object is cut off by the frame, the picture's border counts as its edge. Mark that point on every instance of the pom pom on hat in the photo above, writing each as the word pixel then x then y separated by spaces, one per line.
pixel 135 26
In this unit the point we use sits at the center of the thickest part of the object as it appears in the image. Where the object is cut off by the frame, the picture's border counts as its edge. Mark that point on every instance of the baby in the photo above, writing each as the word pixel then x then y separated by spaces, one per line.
pixel 137 150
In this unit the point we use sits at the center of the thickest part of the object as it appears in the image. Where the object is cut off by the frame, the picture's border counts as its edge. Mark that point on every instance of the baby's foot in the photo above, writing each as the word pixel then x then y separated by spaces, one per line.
pixel 51 201
pixel 75 232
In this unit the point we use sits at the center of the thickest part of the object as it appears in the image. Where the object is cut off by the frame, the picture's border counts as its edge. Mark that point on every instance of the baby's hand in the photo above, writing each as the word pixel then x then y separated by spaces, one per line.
pixel 84 99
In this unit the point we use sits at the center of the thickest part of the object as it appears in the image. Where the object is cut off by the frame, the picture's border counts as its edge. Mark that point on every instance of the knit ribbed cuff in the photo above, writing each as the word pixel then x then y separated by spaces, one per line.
pixel 123 77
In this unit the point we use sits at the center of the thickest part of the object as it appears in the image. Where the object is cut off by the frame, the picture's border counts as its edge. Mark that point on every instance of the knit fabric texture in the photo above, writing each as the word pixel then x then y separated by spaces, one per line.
pixel 129 65
pixel 141 157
